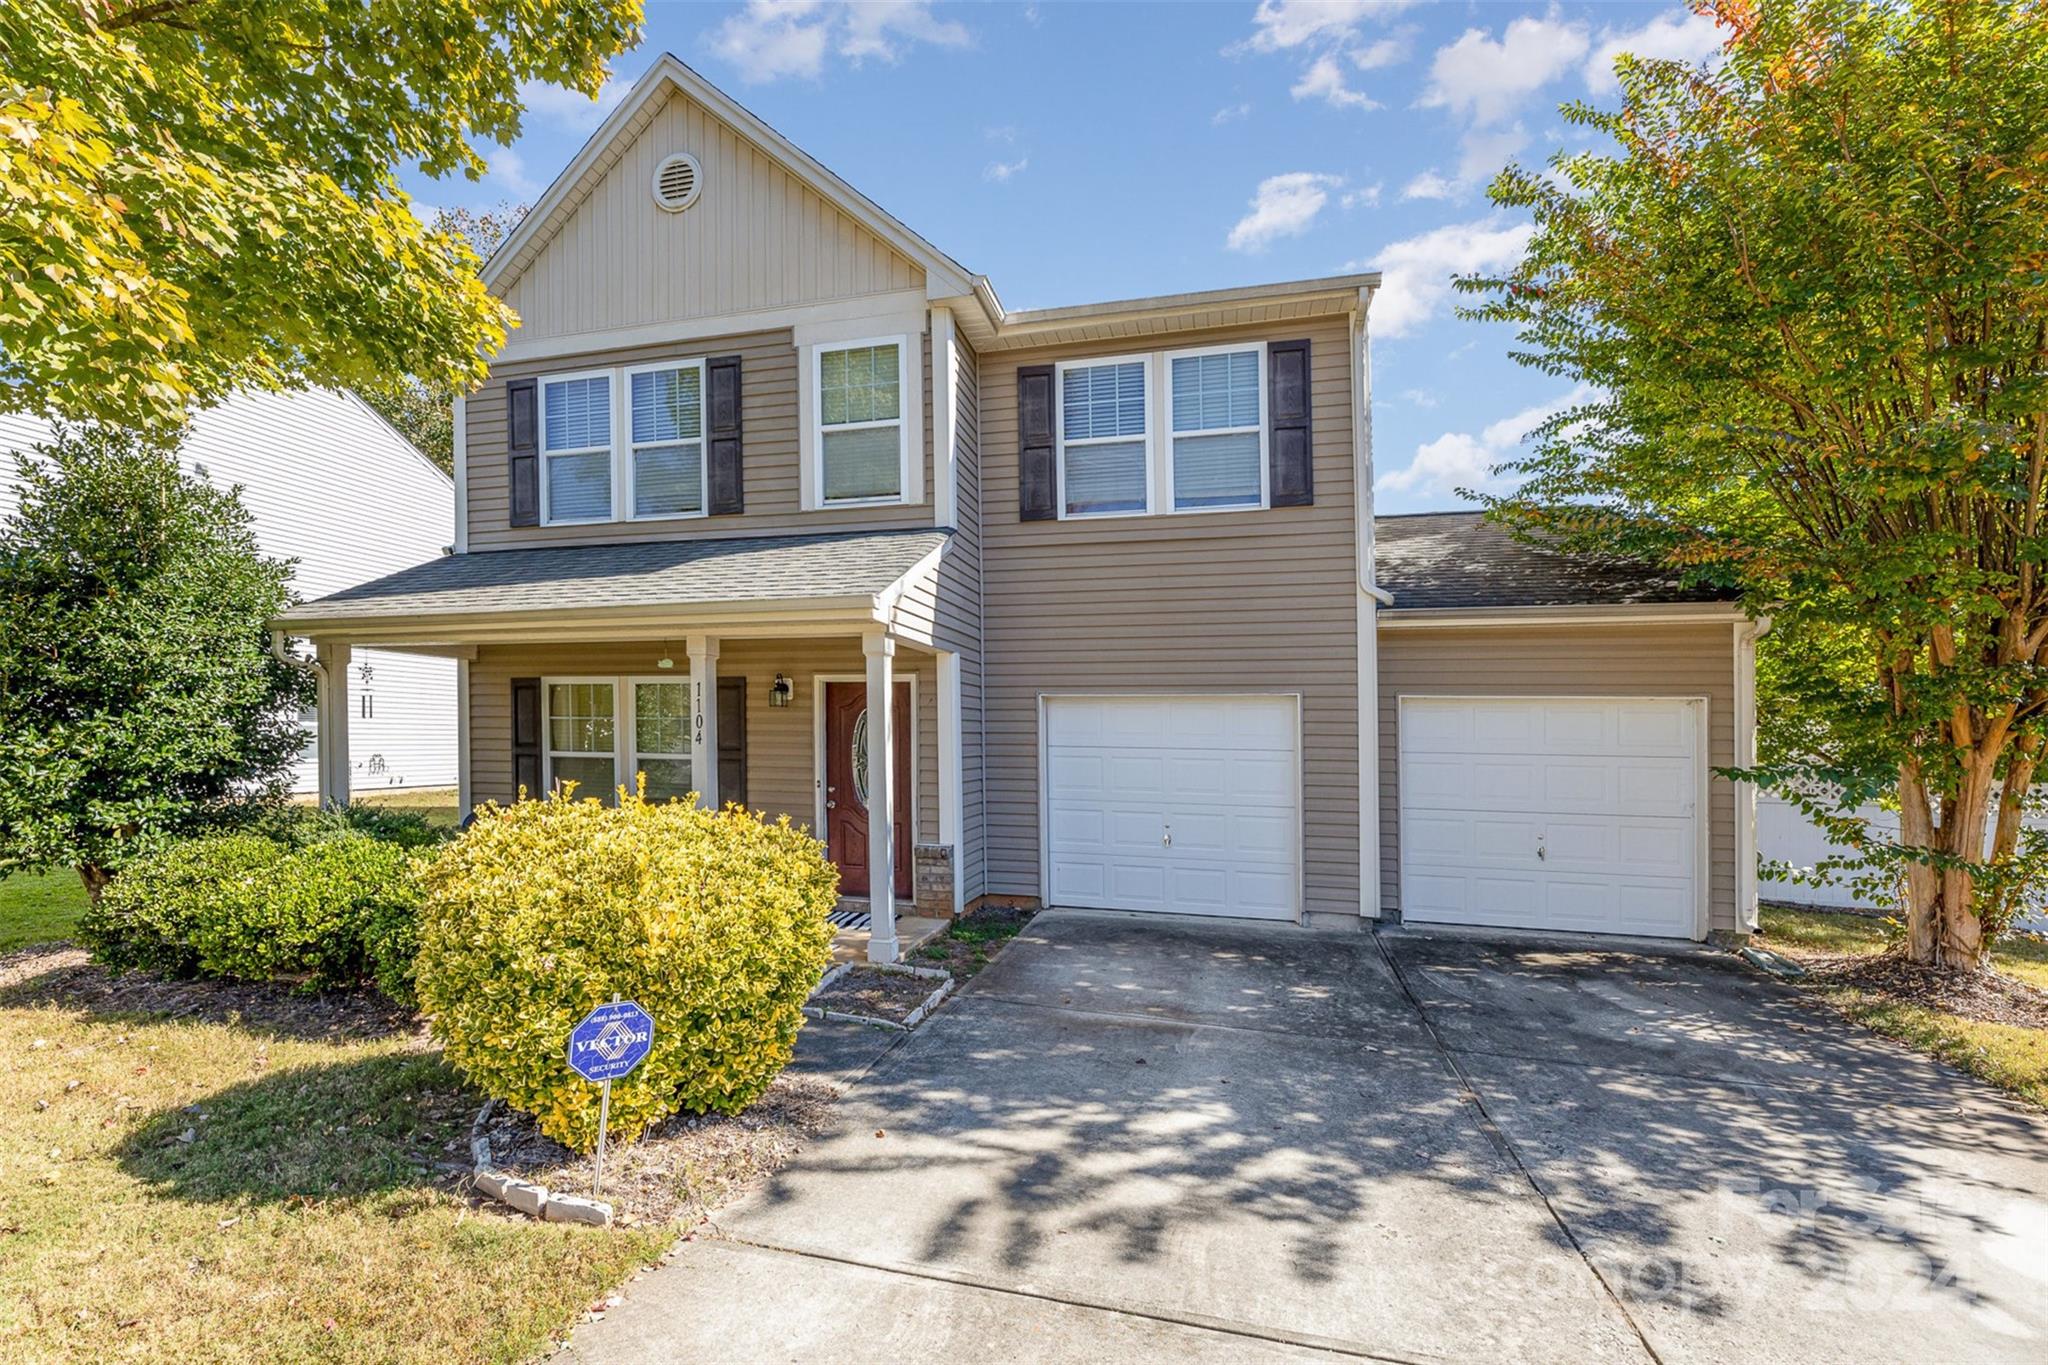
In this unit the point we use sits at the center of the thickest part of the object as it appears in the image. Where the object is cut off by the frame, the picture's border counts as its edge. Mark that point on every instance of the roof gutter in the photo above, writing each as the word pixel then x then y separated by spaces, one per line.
pixel 1585 614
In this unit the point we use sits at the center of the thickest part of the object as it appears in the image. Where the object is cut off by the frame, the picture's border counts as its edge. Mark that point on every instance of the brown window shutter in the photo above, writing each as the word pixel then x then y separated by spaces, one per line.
pixel 1037 479
pixel 522 450
pixel 732 740
pixel 722 467
pixel 526 737
pixel 1290 453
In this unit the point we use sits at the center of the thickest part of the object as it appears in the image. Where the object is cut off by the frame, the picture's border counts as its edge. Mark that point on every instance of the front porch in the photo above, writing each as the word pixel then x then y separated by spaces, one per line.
pixel 762 705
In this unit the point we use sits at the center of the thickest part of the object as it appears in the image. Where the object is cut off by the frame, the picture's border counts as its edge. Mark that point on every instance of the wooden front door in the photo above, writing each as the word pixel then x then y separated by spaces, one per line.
pixel 846 814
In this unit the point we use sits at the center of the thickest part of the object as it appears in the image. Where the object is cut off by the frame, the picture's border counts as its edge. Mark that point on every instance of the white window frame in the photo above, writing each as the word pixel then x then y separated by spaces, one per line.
pixel 625 753
pixel 629 739
pixel 629 449
pixel 1264 428
pixel 619 455
pixel 547 517
pixel 908 421
pixel 547 730
pixel 1060 442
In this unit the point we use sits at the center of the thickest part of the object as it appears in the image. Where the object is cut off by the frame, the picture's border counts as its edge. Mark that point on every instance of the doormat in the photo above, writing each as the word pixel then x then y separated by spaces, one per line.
pixel 848 919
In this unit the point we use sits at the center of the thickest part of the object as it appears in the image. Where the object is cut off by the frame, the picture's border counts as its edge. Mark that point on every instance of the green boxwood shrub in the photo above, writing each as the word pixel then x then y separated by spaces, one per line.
pixel 541 911
pixel 251 908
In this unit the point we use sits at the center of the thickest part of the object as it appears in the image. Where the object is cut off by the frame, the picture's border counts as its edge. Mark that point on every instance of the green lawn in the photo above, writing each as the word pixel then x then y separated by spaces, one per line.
pixel 212 1188
pixel 437 805
pixel 2012 1058
pixel 38 909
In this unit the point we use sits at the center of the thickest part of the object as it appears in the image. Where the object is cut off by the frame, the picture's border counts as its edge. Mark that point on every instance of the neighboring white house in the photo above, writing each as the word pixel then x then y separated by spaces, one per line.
pixel 332 486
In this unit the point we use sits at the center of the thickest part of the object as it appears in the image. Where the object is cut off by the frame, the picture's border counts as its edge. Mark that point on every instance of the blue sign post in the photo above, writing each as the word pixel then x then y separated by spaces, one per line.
pixel 611 1041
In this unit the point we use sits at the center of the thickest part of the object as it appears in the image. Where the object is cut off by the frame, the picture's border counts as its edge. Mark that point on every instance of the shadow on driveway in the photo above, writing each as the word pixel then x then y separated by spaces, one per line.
pixel 1415 1147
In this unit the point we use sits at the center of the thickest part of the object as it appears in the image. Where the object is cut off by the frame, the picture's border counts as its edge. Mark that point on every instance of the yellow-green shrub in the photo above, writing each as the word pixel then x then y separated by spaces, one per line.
pixel 544 910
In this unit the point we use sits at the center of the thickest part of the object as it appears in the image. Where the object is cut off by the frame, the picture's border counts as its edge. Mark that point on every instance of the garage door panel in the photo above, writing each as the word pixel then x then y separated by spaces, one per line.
pixel 1561 813
pixel 1221 773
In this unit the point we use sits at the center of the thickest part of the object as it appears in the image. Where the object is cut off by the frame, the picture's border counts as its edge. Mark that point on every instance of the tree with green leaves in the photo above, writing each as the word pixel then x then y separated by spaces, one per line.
pixel 202 195
pixel 139 697
pixel 1810 286
pixel 423 409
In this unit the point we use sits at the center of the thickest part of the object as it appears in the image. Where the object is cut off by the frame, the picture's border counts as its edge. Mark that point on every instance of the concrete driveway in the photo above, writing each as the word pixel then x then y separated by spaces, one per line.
pixel 1141 1136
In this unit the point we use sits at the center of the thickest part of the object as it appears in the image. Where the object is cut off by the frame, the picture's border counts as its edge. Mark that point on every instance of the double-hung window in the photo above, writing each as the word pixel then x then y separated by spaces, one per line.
pixel 576 448
pixel 623 445
pixel 606 733
pixel 665 416
pixel 582 734
pixel 1218 451
pixel 661 736
pixel 861 433
pixel 1104 429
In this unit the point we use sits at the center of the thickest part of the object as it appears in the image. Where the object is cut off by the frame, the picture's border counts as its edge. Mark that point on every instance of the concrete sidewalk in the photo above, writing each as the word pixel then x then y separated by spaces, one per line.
pixel 1145 1136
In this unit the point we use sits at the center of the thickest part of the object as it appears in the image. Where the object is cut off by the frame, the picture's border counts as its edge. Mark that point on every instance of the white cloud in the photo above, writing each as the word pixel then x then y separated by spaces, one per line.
pixel 1328 33
pixel 1367 196
pixel 1230 113
pixel 1482 152
pixel 1421 398
pixel 1679 36
pixel 998 172
pixel 1418 269
pixel 1459 459
pixel 1484 79
pixel 1281 25
pixel 1285 206
pixel 1324 80
pixel 770 39
pixel 506 170
pixel 565 108
pixel 1429 185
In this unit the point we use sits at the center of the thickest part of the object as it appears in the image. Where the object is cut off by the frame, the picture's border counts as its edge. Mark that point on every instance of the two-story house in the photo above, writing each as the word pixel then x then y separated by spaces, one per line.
pixel 758 453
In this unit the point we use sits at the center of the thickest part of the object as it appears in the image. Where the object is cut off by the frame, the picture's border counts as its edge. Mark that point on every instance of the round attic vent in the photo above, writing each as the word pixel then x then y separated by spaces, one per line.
pixel 676 182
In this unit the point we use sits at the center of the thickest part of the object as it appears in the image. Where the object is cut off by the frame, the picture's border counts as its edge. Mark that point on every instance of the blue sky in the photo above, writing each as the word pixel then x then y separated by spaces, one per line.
pixel 1083 152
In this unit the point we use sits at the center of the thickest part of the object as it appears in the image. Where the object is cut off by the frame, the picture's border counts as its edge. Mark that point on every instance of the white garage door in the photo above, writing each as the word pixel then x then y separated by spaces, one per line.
pixel 1551 814
pixel 1186 804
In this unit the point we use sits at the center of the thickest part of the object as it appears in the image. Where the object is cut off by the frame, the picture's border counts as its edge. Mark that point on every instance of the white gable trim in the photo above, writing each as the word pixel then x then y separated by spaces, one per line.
pixel 945 277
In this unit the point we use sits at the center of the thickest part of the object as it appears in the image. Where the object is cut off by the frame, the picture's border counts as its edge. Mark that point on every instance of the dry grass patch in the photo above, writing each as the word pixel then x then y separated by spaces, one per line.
pixel 1993 1025
pixel 206 1174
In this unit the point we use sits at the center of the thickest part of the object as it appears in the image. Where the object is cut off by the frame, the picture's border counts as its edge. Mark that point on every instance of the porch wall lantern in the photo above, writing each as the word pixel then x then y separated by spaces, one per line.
pixel 781 692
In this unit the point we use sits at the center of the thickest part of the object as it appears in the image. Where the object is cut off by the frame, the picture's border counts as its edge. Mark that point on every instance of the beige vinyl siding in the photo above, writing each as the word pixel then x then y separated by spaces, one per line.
pixel 755 239
pixel 781 769
pixel 960 600
pixel 1618 660
pixel 769 442
pixel 1262 601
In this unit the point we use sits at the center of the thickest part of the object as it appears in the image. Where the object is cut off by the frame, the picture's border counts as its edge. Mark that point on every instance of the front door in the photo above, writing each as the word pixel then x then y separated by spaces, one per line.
pixel 846 809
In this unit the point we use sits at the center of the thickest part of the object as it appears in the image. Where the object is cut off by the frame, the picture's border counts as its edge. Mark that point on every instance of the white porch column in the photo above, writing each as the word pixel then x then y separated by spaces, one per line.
pixel 465 799
pixel 951 775
pixel 704 719
pixel 881 651
pixel 331 748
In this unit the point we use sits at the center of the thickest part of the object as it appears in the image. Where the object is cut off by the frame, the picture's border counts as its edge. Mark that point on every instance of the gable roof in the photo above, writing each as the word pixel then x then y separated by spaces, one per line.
pixel 1432 561
pixel 947 277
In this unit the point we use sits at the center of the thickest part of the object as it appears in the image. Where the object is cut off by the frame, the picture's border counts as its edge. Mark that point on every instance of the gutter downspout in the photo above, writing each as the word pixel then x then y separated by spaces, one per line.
pixel 1747 633
pixel 1370 599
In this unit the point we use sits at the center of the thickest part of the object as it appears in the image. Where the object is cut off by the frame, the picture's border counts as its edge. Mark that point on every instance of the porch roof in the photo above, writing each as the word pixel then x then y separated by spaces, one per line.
pixel 846 571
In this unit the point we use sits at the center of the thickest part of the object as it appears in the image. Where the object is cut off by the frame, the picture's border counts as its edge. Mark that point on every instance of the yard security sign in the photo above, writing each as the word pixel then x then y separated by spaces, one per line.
pixel 608 1044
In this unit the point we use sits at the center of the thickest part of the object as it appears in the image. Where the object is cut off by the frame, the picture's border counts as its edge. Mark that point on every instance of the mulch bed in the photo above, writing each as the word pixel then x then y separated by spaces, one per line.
pixel 684 1166
pixel 1987 996
pixel 62 975
pixel 877 994
pixel 974 941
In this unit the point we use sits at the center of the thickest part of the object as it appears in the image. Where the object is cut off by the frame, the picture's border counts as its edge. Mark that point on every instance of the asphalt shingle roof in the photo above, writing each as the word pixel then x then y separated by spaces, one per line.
pixel 657 573
pixel 1439 560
